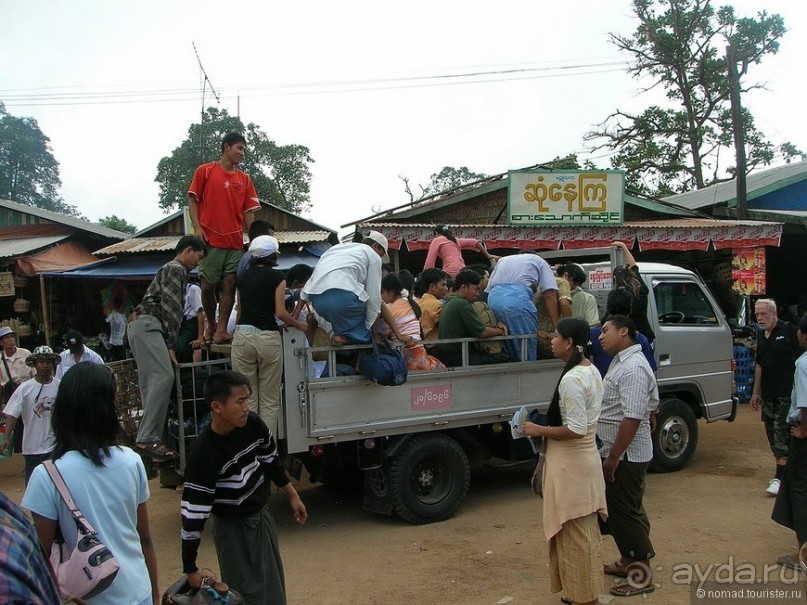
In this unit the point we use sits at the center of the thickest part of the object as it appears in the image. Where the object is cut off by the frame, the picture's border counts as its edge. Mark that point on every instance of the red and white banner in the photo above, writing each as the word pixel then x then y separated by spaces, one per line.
pixel 655 237
pixel 673 238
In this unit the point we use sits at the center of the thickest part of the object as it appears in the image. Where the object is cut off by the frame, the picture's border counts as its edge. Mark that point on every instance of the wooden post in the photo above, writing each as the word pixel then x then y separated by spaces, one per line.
pixel 45 316
pixel 739 137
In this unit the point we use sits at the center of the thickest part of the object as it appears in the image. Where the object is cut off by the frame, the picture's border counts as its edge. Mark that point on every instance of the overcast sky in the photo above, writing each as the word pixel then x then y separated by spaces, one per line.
pixel 115 85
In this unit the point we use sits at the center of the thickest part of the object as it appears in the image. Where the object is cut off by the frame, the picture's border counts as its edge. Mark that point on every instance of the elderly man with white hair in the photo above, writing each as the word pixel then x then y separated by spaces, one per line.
pixel 777 351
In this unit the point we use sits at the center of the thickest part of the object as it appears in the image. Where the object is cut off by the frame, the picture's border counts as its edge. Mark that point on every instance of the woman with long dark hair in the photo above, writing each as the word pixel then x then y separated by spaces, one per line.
pixel 573 483
pixel 107 482
pixel 448 248
pixel 627 277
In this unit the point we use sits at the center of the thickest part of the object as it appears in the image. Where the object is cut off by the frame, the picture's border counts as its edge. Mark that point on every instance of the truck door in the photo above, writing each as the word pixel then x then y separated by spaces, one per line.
pixel 693 343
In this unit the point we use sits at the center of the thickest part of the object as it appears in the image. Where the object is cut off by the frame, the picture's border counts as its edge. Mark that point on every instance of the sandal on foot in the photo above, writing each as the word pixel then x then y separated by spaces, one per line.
pixel 156 451
pixel 615 569
pixel 789 562
pixel 626 589
pixel 567 601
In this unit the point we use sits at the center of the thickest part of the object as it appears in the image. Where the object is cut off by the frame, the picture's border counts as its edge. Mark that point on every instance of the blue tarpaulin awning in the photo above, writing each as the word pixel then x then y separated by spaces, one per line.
pixel 146 267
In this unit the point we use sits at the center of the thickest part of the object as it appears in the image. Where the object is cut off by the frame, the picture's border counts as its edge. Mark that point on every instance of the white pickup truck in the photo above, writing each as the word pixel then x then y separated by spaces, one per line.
pixel 415 443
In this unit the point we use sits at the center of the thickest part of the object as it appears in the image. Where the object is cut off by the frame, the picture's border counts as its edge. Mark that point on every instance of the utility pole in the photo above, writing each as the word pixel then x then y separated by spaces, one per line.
pixel 205 81
pixel 737 126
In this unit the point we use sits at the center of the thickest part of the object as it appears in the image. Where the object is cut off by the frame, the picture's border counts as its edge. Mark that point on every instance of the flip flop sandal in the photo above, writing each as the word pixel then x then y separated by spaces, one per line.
pixel 626 589
pixel 789 562
pixel 615 569
pixel 157 452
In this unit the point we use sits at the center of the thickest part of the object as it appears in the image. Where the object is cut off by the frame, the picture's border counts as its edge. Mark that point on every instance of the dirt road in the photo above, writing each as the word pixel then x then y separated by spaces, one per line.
pixel 713 512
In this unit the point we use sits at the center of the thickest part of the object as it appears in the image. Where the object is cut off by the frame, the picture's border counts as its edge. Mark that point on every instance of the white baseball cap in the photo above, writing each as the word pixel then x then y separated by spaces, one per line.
pixel 263 246
pixel 379 239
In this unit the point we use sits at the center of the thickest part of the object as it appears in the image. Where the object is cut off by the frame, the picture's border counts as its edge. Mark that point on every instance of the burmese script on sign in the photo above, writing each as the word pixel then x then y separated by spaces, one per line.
pixel 566 198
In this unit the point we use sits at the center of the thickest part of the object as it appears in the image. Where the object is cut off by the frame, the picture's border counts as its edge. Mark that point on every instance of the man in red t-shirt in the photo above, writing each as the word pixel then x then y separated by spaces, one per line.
pixel 221 202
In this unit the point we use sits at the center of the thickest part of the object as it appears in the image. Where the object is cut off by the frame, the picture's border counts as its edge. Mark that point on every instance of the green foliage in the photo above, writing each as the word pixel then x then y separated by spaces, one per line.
pixel 447 179
pixel 281 173
pixel 451 178
pixel 117 223
pixel 680 45
pixel 29 174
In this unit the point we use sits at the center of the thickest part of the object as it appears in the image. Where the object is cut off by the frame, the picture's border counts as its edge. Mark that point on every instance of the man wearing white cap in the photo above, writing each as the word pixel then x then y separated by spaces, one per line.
pixel 345 289
pixel 257 347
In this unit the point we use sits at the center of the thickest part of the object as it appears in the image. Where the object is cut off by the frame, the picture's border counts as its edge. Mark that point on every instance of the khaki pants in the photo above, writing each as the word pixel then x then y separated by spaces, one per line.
pixel 259 355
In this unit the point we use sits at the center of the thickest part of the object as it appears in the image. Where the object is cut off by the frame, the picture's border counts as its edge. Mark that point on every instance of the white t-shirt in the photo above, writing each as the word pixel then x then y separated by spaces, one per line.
pixel 117 327
pixel 34 402
pixel 108 497
pixel 193 301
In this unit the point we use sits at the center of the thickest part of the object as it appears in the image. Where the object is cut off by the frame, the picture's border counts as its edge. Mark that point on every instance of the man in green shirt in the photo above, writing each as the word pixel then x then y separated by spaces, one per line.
pixel 459 320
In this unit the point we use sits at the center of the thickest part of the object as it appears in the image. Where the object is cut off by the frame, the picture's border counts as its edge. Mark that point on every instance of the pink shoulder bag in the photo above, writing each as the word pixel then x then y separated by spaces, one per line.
pixel 90 568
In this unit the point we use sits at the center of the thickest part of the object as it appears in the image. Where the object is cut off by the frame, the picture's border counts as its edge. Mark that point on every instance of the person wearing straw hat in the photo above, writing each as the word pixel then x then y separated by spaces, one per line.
pixel 33 401
pixel 13 372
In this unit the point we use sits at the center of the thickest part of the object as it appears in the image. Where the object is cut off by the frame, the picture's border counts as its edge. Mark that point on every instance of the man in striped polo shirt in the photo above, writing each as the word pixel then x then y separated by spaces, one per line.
pixel 624 427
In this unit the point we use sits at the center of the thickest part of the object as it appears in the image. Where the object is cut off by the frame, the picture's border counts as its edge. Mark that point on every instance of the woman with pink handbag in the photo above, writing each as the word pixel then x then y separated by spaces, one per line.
pixel 107 483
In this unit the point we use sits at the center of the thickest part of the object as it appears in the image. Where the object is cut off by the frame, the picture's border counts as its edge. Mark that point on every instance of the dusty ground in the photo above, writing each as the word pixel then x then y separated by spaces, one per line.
pixel 713 512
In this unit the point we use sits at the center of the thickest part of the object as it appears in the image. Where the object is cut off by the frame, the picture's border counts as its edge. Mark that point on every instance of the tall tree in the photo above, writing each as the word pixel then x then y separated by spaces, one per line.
pixel 281 173
pixel 29 174
pixel 680 46
pixel 118 224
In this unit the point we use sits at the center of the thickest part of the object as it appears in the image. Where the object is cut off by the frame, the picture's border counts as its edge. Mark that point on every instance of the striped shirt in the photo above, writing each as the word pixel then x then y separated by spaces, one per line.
pixel 165 299
pixel 227 475
pixel 630 392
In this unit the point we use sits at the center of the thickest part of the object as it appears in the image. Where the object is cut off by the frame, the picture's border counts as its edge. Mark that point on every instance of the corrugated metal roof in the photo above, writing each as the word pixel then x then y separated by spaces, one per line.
pixel 167 243
pixel 27 245
pixel 655 223
pixel 757 184
pixel 64 219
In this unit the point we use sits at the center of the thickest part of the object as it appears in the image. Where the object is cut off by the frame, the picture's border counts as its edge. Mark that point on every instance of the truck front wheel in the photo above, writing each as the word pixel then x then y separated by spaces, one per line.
pixel 675 437
pixel 429 478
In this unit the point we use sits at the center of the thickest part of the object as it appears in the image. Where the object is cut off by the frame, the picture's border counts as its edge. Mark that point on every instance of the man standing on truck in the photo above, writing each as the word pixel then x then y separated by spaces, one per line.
pixel 777 351
pixel 221 203
pixel 631 396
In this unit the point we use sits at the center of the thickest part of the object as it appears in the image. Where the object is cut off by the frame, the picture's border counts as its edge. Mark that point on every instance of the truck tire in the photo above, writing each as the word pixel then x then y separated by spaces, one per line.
pixel 675 437
pixel 429 478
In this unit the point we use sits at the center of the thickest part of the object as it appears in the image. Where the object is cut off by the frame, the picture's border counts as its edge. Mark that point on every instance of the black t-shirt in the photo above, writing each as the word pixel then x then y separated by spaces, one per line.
pixel 256 291
pixel 638 312
pixel 777 355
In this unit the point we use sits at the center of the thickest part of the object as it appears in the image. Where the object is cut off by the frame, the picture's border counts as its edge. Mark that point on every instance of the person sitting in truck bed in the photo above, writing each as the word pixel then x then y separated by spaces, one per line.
pixel 546 329
pixel 430 289
pixel 406 313
pixel 459 320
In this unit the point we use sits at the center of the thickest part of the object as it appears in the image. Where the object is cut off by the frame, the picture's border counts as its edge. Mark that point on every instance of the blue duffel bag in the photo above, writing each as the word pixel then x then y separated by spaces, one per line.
pixel 385 366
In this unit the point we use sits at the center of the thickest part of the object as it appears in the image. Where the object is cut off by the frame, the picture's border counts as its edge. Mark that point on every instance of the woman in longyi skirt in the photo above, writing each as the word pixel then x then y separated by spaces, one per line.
pixel 573 483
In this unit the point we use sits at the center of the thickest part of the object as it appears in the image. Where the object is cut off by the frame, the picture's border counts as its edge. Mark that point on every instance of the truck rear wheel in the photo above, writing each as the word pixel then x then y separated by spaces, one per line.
pixel 429 478
pixel 676 436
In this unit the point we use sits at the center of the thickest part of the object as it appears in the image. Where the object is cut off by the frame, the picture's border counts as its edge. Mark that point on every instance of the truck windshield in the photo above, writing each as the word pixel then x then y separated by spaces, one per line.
pixel 684 303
